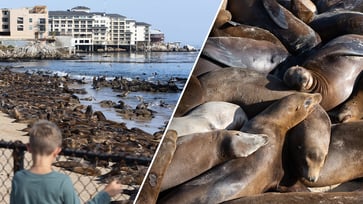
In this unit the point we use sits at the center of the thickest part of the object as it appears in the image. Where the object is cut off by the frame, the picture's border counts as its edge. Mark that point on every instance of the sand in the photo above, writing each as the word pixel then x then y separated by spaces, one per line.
pixel 11 131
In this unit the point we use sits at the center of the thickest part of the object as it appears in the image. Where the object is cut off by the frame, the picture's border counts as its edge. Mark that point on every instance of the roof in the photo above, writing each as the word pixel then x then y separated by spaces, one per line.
pixel 156 32
pixel 69 13
pixel 115 15
pixel 142 23
pixel 82 13
pixel 81 7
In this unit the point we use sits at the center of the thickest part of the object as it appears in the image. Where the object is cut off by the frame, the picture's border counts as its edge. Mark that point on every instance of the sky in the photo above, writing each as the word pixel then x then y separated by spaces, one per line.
pixel 186 21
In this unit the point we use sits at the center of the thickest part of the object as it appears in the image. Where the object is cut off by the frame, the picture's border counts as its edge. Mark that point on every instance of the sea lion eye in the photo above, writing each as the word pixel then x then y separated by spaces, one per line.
pixel 307 103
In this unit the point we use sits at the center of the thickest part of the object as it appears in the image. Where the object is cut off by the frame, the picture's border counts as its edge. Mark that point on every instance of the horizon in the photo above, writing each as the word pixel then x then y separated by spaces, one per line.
pixel 188 25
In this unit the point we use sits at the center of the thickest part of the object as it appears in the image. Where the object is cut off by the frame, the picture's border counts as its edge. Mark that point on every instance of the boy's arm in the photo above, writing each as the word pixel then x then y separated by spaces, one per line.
pixel 112 189
pixel 101 197
pixel 69 193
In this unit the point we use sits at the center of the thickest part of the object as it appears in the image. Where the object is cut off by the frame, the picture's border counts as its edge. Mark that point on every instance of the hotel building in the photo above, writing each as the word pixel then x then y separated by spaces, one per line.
pixel 87 30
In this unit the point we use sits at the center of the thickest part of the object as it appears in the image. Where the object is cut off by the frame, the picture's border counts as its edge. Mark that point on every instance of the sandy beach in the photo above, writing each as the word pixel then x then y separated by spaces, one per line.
pixel 10 130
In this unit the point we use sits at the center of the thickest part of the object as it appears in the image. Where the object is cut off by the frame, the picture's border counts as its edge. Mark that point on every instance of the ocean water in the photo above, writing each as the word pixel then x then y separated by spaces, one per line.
pixel 154 66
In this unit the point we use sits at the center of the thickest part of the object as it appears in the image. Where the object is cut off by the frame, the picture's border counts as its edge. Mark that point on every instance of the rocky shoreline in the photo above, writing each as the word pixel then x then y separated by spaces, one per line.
pixel 34 51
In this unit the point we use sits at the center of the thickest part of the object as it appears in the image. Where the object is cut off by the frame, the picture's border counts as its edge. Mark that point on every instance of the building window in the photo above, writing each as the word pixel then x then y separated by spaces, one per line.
pixel 5 26
pixel 20 20
pixel 5 13
pixel 30 20
pixel 20 28
pixel 30 27
pixel 41 20
pixel 41 27
pixel 5 20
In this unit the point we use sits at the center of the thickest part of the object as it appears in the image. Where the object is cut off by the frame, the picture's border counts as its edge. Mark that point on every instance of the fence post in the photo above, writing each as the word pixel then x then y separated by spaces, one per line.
pixel 18 155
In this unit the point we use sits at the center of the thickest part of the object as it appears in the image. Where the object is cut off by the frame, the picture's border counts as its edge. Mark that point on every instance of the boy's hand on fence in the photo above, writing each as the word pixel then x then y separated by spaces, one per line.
pixel 113 188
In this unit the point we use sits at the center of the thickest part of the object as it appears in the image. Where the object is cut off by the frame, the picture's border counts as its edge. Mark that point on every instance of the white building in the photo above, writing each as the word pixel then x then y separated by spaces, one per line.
pixel 97 30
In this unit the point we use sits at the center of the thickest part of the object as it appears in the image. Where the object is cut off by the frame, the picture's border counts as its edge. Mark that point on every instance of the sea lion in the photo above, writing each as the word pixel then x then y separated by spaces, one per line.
pixel 249 89
pixel 212 115
pixel 344 160
pixel 333 24
pixel 336 5
pixel 198 152
pixel 307 146
pixel 305 10
pixel 203 66
pixel 302 197
pixel 292 32
pixel 331 71
pixel 192 96
pixel 222 18
pixel 259 171
pixel 150 188
pixel 225 27
pixel 262 56
pixel 351 109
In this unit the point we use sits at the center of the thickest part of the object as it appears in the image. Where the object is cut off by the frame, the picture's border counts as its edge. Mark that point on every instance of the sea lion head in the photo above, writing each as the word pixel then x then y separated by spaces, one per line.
pixel 348 112
pixel 298 78
pixel 244 144
pixel 295 107
pixel 310 162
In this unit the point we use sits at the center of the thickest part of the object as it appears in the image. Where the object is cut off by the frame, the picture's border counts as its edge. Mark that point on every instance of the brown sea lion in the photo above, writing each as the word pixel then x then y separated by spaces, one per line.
pixel 268 14
pixel 305 10
pixel 302 197
pixel 150 188
pixel 344 160
pixel 307 146
pixel 249 89
pixel 222 18
pixel 351 109
pixel 331 71
pixel 203 66
pixel 262 56
pixel 336 5
pixel 225 27
pixel 193 95
pixel 198 152
pixel 333 24
pixel 259 171
pixel 209 116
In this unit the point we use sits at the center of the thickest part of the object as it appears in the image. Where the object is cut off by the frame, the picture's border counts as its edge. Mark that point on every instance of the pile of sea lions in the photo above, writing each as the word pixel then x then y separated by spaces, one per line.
pixel 290 72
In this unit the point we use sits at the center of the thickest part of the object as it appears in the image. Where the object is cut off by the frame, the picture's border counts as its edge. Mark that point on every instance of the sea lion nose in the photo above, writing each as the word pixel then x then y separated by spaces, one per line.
pixel 312 179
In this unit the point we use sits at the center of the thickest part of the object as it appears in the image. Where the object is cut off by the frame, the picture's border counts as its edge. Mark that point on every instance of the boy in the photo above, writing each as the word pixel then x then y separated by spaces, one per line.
pixel 40 184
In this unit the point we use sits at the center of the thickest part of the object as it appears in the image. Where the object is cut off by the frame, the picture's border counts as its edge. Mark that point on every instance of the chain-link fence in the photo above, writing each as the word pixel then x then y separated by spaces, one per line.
pixel 87 179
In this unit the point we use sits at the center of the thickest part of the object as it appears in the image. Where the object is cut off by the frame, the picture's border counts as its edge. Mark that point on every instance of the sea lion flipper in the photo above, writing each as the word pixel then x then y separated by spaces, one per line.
pixel 276 13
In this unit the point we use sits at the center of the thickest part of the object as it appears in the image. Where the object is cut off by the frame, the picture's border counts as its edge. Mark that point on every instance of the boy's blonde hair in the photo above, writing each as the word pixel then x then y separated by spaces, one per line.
pixel 44 138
